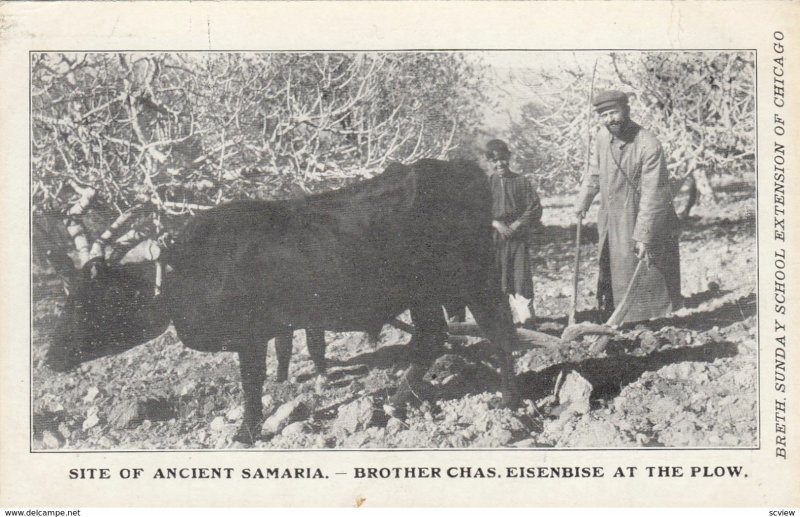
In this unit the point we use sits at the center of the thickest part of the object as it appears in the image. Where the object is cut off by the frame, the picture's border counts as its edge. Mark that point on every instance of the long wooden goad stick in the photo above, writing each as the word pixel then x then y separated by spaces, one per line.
pixel 573 309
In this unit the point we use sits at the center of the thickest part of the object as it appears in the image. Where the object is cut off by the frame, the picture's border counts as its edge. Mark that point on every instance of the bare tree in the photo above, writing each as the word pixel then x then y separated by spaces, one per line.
pixel 194 129
pixel 699 104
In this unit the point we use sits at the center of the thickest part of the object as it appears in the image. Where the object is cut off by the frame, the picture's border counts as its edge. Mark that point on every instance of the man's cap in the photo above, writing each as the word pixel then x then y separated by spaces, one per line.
pixel 497 149
pixel 606 99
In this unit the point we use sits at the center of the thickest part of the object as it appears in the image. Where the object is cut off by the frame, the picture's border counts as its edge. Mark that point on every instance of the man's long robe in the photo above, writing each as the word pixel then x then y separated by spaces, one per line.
pixel 631 176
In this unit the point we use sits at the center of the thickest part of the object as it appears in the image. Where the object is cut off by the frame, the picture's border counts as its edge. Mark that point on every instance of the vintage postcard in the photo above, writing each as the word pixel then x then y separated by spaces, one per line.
pixel 399 254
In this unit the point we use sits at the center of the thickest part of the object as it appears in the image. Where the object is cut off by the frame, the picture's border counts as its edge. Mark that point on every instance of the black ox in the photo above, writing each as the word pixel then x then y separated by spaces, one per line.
pixel 415 237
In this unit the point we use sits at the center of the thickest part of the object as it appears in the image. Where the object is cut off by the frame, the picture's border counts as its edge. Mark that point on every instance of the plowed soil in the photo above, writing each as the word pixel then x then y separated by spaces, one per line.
pixel 686 381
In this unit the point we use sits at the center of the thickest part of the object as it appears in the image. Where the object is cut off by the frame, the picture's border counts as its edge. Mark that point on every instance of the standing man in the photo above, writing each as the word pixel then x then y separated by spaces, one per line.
pixel 515 210
pixel 637 221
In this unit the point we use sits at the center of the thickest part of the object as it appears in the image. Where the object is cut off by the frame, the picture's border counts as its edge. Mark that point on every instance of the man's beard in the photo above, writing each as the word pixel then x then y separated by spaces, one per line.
pixel 615 128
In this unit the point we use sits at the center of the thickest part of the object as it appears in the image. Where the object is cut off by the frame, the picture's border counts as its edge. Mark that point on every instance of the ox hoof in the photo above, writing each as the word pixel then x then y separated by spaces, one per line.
pixel 247 434
pixel 412 390
pixel 512 399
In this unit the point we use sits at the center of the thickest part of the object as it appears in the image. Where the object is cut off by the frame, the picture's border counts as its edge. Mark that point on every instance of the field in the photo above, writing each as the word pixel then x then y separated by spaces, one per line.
pixel 687 381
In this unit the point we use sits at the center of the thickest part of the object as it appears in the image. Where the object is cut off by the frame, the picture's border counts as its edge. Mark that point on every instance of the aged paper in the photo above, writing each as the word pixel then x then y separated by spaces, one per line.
pixel 726 467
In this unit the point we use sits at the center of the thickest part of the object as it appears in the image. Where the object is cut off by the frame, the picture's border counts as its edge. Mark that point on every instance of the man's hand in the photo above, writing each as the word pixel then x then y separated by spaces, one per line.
pixel 502 229
pixel 643 252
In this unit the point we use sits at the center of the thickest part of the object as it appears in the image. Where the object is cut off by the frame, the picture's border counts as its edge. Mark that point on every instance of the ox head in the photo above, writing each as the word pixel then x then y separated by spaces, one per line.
pixel 114 301
pixel 110 308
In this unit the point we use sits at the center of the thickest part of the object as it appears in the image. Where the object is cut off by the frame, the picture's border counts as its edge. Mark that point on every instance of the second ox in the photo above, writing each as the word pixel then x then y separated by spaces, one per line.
pixel 415 237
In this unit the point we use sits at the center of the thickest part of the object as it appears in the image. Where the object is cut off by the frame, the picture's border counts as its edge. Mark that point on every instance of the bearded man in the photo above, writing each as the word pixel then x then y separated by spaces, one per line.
pixel 636 221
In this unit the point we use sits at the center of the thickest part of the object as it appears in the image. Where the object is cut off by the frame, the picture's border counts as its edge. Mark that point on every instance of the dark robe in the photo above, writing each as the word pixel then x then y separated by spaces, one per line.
pixel 513 199
pixel 630 173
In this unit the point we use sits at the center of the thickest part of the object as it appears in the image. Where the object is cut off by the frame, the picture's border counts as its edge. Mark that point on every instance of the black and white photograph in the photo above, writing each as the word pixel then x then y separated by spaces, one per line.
pixel 459 254
pixel 394 249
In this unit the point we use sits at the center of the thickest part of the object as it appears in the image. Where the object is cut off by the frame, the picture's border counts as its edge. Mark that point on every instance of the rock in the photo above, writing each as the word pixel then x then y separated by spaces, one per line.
pixel 267 401
pixel 124 414
pixel 217 424
pixel 574 393
pixel 394 426
pixel 648 341
pixel 50 440
pixel 320 384
pixel 685 370
pixel 578 330
pixel 714 335
pixel 285 415
pixel 234 414
pixel 527 443
pixel 91 394
pixel 554 427
pixel 129 413
pixel 355 416
pixel 187 389
pixel 90 421
pixel 64 430
pixel 294 430
pixel 669 372
pixel 502 437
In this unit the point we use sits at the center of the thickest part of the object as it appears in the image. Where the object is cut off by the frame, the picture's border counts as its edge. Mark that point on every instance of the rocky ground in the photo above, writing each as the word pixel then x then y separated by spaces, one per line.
pixel 686 381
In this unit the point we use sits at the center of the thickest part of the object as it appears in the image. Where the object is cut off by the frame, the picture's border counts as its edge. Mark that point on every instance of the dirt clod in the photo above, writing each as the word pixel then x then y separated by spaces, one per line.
pixel 289 412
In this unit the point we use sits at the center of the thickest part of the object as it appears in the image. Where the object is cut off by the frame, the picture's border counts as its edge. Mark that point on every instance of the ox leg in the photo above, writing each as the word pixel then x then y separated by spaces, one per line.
pixel 253 367
pixel 283 350
pixel 497 323
pixel 315 340
pixel 424 348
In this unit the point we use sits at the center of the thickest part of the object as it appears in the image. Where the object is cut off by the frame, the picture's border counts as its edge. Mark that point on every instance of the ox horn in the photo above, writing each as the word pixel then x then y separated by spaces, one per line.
pixel 99 246
pixel 115 244
pixel 74 227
